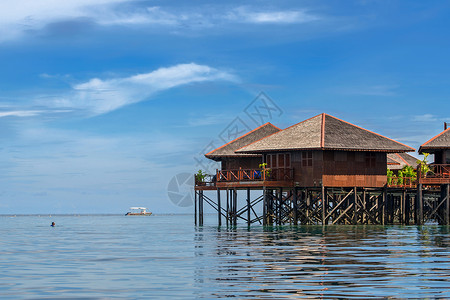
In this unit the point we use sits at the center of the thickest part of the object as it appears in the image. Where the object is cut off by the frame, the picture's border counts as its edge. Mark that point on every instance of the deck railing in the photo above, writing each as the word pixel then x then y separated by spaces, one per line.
pixel 402 182
pixel 437 174
pixel 208 180
pixel 272 174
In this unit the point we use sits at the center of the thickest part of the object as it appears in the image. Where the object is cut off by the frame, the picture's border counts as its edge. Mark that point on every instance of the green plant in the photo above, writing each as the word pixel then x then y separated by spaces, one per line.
pixel 265 169
pixel 389 174
pixel 400 177
pixel 424 168
pixel 200 176
pixel 409 171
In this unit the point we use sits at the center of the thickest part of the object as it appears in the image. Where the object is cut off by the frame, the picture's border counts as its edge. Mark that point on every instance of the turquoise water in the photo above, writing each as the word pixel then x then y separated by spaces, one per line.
pixel 104 257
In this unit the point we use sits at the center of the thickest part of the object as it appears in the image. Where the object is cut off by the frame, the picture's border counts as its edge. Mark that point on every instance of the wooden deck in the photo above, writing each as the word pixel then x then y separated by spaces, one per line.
pixel 247 178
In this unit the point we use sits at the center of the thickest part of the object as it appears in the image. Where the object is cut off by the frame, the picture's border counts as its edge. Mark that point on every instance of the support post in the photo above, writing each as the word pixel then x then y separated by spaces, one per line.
pixel 248 207
pixel 228 208
pixel 195 207
pixel 419 204
pixel 383 207
pixel 219 215
pixel 280 207
pixel 264 207
pixel 200 205
pixel 324 205
pixel 447 206
pixel 234 207
pixel 295 199
pixel 355 206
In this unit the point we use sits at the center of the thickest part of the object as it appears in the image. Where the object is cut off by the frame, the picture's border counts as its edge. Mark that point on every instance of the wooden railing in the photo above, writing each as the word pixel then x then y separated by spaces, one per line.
pixel 402 182
pixel 208 180
pixel 438 174
pixel 272 174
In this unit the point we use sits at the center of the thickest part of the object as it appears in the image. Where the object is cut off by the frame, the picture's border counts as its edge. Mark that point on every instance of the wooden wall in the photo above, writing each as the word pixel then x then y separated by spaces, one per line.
pixel 340 169
pixel 241 162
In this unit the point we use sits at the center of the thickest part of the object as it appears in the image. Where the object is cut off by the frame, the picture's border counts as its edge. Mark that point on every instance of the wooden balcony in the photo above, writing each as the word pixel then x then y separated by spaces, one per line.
pixel 438 174
pixel 248 178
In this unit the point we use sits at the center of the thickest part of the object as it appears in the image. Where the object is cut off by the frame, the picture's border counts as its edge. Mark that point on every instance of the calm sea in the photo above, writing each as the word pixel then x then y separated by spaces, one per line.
pixel 166 256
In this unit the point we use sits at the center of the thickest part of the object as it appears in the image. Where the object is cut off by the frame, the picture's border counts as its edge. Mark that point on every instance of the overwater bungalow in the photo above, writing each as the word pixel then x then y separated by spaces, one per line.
pixel 230 159
pixel 321 171
pixel 397 161
pixel 438 145
pixel 320 151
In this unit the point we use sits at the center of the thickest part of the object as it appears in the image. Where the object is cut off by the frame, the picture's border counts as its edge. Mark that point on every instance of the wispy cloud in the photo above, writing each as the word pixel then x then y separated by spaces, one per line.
pixel 35 16
pixel 428 118
pixel 20 113
pixel 98 96
pixel 245 14
pixel 372 90
pixel 102 95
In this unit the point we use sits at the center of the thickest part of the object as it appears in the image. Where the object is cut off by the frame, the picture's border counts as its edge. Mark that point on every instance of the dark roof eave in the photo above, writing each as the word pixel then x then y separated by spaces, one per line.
pixel 331 149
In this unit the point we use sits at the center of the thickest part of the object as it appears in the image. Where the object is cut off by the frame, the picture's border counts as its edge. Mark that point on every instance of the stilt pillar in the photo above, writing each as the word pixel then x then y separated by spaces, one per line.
pixel 219 209
pixel 419 207
pixel 248 208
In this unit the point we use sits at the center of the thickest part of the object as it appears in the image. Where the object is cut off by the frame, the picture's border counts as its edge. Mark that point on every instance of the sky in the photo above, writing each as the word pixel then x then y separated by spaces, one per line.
pixel 107 104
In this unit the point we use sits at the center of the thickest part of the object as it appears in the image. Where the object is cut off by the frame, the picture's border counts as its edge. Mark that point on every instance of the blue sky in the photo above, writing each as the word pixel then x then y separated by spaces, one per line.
pixel 103 102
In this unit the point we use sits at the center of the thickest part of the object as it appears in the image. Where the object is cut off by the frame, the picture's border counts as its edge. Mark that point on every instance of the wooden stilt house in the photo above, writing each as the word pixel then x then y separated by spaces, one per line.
pixel 232 160
pixel 327 151
pixel 397 161
pixel 440 170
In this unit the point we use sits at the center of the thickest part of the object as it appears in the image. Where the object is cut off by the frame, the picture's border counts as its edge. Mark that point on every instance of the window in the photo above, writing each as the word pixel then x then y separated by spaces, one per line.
pixel 371 160
pixel 307 159
pixel 280 160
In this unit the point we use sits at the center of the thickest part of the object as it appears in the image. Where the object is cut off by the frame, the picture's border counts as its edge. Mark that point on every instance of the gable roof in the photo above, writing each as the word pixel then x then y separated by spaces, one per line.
pixel 228 150
pixel 440 141
pixel 325 132
pixel 397 161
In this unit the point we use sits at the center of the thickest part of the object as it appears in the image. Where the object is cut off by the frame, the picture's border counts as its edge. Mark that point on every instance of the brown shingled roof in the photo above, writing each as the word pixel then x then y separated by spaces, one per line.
pixel 325 132
pixel 228 150
pixel 397 161
pixel 440 141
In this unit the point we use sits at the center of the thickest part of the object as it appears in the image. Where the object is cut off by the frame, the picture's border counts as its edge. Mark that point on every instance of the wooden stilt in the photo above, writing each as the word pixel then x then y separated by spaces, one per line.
pixel 219 213
pixel 447 206
pixel 195 208
pixel 234 207
pixel 265 206
pixel 295 205
pixel 200 214
pixel 228 208
pixel 324 204
pixel 419 207
pixel 248 208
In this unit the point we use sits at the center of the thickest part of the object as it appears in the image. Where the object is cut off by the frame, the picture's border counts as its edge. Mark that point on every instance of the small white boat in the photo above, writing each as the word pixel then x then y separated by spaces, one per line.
pixel 138 211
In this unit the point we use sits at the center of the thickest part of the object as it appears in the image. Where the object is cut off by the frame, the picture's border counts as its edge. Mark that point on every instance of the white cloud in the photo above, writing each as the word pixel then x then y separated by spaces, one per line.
pixel 26 15
pixel 31 16
pixel 20 113
pixel 426 118
pixel 372 90
pixel 103 95
pixel 249 15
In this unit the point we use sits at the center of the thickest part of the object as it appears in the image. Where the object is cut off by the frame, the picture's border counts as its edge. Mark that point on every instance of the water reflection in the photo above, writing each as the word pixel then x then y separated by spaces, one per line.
pixel 323 262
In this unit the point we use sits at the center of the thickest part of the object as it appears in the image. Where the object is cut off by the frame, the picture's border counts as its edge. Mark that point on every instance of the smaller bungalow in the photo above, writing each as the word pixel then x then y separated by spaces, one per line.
pixel 397 161
pixel 439 146
pixel 230 160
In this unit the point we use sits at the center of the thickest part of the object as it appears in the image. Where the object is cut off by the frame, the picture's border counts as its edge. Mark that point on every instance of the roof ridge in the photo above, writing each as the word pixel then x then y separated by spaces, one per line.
pixel 322 132
pixel 398 154
pixel 435 137
pixel 412 149
pixel 278 132
pixel 257 128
